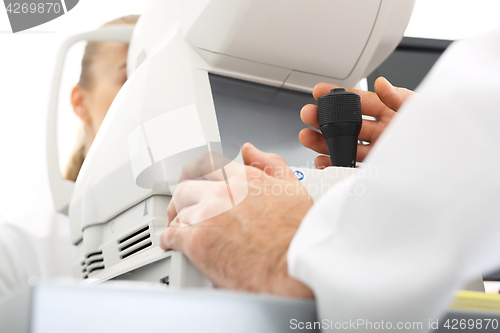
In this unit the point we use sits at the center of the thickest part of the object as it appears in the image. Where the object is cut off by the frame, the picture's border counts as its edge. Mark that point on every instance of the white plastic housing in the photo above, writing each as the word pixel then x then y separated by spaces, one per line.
pixel 287 43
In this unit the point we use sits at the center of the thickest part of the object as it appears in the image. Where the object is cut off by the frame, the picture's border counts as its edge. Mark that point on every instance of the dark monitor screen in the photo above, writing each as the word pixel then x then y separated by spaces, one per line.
pixel 410 62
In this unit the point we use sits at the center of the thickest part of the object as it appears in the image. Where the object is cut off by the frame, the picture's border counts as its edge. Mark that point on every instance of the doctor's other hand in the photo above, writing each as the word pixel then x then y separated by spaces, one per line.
pixel 243 246
pixel 382 104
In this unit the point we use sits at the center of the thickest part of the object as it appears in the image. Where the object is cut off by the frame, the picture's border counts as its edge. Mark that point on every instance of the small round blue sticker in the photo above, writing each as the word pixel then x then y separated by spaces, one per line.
pixel 299 174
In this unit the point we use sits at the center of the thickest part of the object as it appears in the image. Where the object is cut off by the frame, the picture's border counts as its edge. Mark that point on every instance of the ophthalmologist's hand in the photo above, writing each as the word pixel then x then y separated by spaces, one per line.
pixel 243 247
pixel 382 104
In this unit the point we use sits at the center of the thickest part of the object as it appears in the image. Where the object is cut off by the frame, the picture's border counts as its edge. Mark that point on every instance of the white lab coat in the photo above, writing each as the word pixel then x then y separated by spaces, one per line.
pixel 394 243
pixel 34 246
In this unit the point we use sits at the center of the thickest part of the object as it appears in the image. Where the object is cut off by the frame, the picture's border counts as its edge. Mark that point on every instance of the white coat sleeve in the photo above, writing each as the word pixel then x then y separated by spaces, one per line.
pixel 423 218
pixel 36 245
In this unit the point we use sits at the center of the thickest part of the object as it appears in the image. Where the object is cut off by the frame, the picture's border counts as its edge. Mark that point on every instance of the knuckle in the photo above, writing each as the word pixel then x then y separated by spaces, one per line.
pixel 185 189
pixel 182 218
pixel 186 171
pixel 168 239
pixel 219 191
pixel 181 188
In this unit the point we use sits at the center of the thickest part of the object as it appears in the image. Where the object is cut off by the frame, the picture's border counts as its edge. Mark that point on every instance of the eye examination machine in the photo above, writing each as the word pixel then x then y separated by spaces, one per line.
pixel 206 76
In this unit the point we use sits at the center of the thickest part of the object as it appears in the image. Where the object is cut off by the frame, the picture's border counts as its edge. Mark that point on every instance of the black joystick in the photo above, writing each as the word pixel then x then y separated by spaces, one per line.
pixel 339 116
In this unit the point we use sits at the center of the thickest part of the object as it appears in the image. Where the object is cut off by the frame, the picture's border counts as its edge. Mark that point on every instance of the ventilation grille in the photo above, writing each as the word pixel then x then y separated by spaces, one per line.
pixel 93 262
pixel 134 242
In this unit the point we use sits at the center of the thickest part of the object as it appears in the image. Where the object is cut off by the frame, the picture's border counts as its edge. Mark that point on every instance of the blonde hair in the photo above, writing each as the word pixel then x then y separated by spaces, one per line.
pixel 86 81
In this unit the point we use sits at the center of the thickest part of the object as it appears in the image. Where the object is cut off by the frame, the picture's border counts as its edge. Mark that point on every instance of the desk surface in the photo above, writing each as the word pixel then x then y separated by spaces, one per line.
pixel 136 307
pixel 119 307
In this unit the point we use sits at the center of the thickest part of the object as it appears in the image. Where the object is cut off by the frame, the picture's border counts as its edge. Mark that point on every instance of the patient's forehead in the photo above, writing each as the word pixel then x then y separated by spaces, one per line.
pixel 110 58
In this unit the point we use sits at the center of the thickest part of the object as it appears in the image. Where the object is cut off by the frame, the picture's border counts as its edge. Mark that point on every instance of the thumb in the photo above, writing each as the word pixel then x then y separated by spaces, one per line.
pixel 272 164
pixel 389 95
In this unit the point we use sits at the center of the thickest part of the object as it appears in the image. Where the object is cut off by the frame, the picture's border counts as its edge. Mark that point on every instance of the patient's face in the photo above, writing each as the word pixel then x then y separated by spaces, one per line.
pixel 109 73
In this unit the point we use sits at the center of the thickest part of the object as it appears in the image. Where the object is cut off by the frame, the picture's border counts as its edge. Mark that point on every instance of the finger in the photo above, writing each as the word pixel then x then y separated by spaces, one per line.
pixel 174 223
pixel 196 168
pixel 203 213
pixel 316 141
pixel 372 129
pixel 272 164
pixel 172 208
pixel 309 115
pixel 370 102
pixel 190 193
pixel 178 234
pixel 313 140
pixel 322 162
pixel 368 129
pixel 206 166
pixel 362 151
pixel 185 217
pixel 171 212
pixel 389 95
pixel 174 237
pixel 322 89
